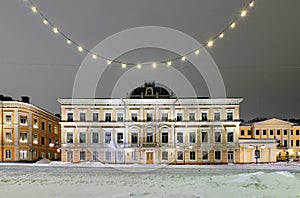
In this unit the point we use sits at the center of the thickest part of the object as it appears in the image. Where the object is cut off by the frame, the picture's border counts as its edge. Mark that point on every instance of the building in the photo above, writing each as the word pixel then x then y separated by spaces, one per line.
pixel 27 132
pixel 286 136
pixel 151 126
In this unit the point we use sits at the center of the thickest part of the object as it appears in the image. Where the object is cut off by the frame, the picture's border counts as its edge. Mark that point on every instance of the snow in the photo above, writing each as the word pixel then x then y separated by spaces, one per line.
pixel 94 179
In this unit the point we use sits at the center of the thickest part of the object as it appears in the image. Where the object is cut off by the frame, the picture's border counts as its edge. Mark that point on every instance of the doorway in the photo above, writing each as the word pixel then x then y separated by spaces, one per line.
pixel 149 158
pixel 230 157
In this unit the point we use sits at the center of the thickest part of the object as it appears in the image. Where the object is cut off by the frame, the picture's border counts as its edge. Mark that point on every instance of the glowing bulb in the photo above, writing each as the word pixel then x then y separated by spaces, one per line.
pixel 169 63
pixel 55 30
pixel 123 65
pixel 45 21
pixel 183 58
pixel 108 62
pixel 139 66
pixel 197 52
pixel 80 48
pixel 221 35
pixel 244 13
pixel 34 9
pixel 154 65
pixel 69 41
pixel 94 56
pixel 232 25
pixel 251 4
pixel 210 43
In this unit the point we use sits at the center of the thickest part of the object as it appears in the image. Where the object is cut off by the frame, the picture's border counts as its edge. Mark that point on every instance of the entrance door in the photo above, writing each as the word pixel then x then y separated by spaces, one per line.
pixel 230 157
pixel 149 157
pixel 70 156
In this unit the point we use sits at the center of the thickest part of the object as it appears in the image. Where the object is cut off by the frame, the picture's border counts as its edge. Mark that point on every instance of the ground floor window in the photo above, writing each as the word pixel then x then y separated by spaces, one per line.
pixel 49 155
pixel 107 155
pixel 95 156
pixel 23 155
pixel 192 155
pixel 35 154
pixel 179 155
pixel 217 155
pixel 120 155
pixel 134 156
pixel 164 155
pixel 8 154
pixel 55 156
pixel 42 155
pixel 82 155
pixel 204 155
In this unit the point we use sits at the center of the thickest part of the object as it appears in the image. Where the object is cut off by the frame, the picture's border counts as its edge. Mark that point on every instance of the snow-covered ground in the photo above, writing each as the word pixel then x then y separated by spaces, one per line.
pixel 102 180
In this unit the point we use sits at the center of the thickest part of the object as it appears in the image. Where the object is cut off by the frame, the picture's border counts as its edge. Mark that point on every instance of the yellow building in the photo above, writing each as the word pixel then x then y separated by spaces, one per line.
pixel 27 132
pixel 151 126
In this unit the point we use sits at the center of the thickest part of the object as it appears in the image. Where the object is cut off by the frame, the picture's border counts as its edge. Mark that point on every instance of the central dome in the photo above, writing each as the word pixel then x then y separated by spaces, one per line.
pixel 150 91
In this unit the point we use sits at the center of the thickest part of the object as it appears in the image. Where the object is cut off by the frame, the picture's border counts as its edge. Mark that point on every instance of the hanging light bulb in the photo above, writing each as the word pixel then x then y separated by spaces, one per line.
pixel 154 65
pixel 169 63
pixel 69 41
pixel 80 48
pixel 55 30
pixel 232 25
pixel 94 56
pixel 123 65
pixel 221 35
pixel 45 21
pixel 251 4
pixel 108 62
pixel 210 43
pixel 139 66
pixel 34 9
pixel 244 13
pixel 197 52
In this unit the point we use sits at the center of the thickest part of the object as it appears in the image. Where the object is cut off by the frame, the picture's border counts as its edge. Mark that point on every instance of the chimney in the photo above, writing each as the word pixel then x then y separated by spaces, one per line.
pixel 25 99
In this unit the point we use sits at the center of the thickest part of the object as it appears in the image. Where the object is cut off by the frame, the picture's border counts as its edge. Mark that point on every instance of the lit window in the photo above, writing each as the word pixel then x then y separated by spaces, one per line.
pixel 55 130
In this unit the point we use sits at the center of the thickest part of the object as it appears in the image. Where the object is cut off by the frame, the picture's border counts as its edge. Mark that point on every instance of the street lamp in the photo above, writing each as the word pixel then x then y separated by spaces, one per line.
pixel 257 151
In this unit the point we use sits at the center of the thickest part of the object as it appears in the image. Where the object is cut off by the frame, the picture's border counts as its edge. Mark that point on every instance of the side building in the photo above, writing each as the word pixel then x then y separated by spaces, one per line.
pixel 27 132
pixel 151 126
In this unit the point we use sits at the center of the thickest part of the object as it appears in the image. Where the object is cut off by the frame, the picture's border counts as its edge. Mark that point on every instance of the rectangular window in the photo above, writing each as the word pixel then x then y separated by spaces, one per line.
pixel 43 140
pixel 285 143
pixel 134 156
pixel 49 155
pixel 43 125
pixel 120 139
pixel 8 136
pixel 192 117
pixel 217 137
pixel 229 116
pixel 204 136
pixel 70 117
pixel 149 117
pixel 257 132
pixel 242 132
pixel 42 155
pixel 271 132
pixel 249 132
pixel 192 137
pixel 82 117
pixel 49 140
pixel 164 137
pixel 35 123
pixel 164 155
pixel 134 117
pixel 179 155
pixel 264 132
pixel 179 117
pixel 107 137
pixel 95 116
pixel 120 117
pixel 70 137
pixel 23 120
pixel 292 143
pixel 95 137
pixel 204 155
pixel 23 155
pixel 192 155
pixel 217 116
pixel 230 137
pixel 56 130
pixel 292 132
pixel 8 119
pixel 164 117
pixel 134 138
pixel 297 142
pixel 179 137
pixel 297 132
pixel 149 137
pixel 82 155
pixel 217 155
pixel 35 139
pixel 107 117
pixel 278 132
pixel 23 137
pixel 204 116
pixel 107 156
pixel 82 137
pixel 95 156
pixel 120 155
pixel 50 128
pixel 8 154
pixel 35 155
pixel 285 132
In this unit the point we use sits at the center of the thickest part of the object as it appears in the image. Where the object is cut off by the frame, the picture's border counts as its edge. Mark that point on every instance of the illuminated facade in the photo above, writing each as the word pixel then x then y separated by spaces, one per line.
pixel 27 132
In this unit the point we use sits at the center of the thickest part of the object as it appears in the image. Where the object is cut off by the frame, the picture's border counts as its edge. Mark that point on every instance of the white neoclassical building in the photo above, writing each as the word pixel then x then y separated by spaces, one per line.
pixel 151 126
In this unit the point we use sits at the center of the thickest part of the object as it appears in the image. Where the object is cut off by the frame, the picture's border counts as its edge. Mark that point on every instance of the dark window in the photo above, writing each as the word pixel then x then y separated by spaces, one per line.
pixel 292 143
pixel 179 117
pixel 149 117
pixel 70 117
pixel 120 138
pixel 149 137
pixel 82 117
pixel 43 140
pixel 204 155
pixel 164 137
pixel 217 137
pixel 204 116
pixel 271 132
pixel 192 116
pixel 230 137
pixel 278 132
pixel 49 127
pixel 192 155
pixel 69 137
pixel 204 137
pixel 95 117
pixel 179 137
pixel 229 116
pixel 134 138
pixel 82 137
pixel 95 138
pixel 249 132
pixel 257 132
pixel 264 132
pixel 297 132
pixel 164 117
pixel 164 155
pixel 43 126
pixel 179 155
pixel 285 143
pixel 292 132
pixel 192 137
pixel 297 142
pixel 120 117
pixel 217 116
pixel 217 155
pixel 285 132
pixel 107 117
pixel 242 132
pixel 134 117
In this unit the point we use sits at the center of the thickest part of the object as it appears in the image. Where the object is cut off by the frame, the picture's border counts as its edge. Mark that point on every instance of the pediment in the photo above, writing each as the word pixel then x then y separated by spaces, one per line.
pixel 273 121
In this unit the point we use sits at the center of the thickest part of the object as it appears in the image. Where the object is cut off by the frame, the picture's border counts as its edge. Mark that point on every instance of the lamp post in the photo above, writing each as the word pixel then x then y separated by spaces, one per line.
pixel 257 151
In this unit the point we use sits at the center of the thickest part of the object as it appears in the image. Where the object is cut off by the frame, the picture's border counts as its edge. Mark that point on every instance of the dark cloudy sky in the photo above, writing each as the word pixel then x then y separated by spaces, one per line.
pixel 259 60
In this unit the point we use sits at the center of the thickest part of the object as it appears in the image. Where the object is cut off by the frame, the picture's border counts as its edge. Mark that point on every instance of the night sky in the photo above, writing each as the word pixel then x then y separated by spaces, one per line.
pixel 259 60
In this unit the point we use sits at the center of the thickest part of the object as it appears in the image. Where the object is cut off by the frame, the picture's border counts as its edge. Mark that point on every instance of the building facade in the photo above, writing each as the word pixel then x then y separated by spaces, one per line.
pixel 27 132
pixel 151 126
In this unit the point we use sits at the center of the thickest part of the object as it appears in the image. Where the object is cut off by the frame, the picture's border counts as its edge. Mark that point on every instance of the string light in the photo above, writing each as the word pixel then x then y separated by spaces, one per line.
pixel 183 57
